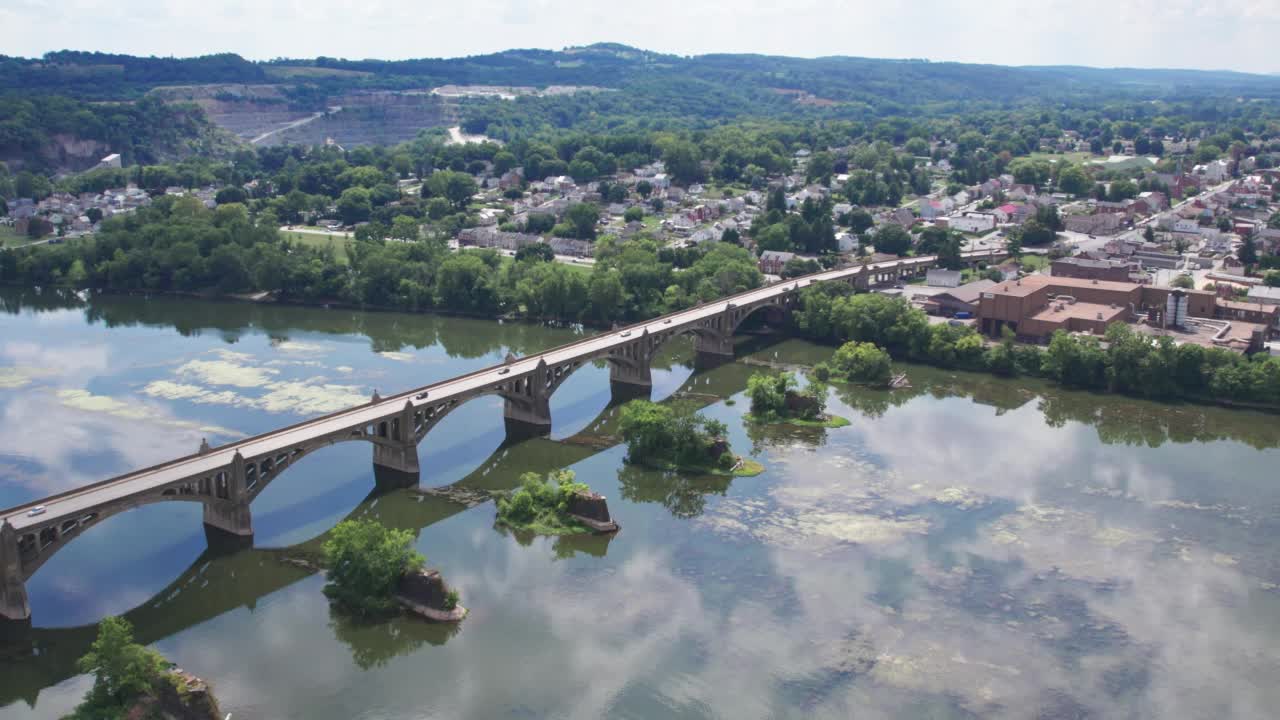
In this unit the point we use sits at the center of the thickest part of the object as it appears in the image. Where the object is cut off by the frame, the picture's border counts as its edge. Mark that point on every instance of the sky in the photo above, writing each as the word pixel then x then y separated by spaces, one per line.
pixel 1223 34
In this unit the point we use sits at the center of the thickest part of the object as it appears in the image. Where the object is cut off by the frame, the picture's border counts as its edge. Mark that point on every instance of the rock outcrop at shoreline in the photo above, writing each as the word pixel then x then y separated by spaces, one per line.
pixel 425 593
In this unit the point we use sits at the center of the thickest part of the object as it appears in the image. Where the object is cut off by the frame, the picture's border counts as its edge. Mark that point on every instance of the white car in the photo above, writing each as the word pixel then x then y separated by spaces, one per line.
pixel 37 510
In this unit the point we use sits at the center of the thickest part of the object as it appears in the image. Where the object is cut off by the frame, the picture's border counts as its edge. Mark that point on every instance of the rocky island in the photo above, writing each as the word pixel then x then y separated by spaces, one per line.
pixel 134 681
pixel 776 399
pixel 373 571
pixel 556 505
pixel 659 437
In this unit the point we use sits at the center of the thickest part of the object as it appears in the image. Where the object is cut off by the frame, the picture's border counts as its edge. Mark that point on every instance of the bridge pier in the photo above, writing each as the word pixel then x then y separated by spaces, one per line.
pixel 638 375
pixel 712 350
pixel 396 466
pixel 13 589
pixel 228 518
pixel 527 417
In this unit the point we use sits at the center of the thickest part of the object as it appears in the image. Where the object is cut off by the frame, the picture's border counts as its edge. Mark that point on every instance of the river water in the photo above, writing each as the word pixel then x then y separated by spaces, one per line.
pixel 971 547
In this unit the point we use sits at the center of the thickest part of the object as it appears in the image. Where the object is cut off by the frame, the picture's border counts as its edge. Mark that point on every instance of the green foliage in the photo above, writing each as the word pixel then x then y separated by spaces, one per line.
pixel 861 362
pixel 776 397
pixel 1183 281
pixel 542 505
pixel 657 435
pixel 891 239
pixel 122 670
pixel 451 599
pixel 365 560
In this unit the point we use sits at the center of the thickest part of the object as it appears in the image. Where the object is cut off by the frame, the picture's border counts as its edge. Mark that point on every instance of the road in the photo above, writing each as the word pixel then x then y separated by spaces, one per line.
pixel 294 124
pixel 74 505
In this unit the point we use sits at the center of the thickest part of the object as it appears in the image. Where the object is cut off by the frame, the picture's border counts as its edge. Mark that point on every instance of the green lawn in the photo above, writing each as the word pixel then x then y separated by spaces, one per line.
pixel 322 242
pixel 9 238
pixel 1032 263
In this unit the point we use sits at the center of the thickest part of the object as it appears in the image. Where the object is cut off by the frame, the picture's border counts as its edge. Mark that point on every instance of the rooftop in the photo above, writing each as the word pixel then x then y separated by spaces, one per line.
pixel 1063 311
pixel 1030 284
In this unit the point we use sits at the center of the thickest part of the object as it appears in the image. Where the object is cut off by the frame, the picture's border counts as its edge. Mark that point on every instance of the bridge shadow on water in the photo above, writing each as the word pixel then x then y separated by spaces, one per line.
pixel 233 573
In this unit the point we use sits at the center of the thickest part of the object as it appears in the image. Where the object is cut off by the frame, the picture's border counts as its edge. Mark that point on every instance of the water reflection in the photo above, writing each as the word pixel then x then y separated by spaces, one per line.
pixel 374 644
pixel 683 494
pixel 564 547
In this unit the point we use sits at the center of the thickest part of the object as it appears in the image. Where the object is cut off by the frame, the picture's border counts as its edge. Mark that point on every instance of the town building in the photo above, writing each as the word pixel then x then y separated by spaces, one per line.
pixel 1035 307
pixel 1087 269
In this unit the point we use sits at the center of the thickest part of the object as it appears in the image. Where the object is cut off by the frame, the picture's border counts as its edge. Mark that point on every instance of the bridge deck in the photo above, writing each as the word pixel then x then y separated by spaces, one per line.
pixel 82 501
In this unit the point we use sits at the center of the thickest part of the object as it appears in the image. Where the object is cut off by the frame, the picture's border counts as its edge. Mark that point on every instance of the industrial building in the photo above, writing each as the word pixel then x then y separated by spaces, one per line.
pixel 1037 306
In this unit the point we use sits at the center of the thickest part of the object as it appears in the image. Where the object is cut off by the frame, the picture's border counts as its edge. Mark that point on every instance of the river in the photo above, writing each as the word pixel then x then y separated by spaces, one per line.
pixel 971 547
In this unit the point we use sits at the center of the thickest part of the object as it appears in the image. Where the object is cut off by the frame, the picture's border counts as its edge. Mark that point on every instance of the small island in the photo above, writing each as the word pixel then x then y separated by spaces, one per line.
pixel 373 570
pixel 556 505
pixel 134 681
pixel 776 399
pixel 861 363
pixel 659 437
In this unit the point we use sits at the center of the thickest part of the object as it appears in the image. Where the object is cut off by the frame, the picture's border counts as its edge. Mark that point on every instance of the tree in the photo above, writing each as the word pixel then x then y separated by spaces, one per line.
pixel 405 228
pixel 949 252
pixel 1272 278
pixel 503 161
pixel 354 205
pixel 1183 281
pixel 583 217
pixel 38 227
pixel 891 239
pixel 1248 253
pixel 860 220
pixel 1033 233
pixel 535 252
pixel 1149 233
pixel 656 435
pixel 122 670
pixel 365 561
pixel 633 214
pixel 644 188
pixel 683 161
pixel 861 362
pixel 1072 179
pixel 230 194
pixel 456 187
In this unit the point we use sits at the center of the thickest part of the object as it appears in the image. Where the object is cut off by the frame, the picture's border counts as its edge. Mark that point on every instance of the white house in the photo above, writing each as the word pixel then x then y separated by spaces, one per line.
pixel 972 223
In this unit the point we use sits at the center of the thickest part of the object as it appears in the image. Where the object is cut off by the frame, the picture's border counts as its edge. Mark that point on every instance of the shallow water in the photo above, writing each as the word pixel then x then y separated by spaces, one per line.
pixel 972 547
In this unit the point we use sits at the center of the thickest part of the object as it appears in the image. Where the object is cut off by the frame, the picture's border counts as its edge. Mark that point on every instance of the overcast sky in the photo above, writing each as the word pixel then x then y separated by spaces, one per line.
pixel 1209 34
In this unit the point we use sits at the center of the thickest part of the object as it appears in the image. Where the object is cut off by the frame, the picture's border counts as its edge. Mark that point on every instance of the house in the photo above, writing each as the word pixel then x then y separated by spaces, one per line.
pixel 972 222
pixel 942 278
pixel 1005 212
pixel 110 161
pixel 1078 267
pixel 571 246
pixel 772 261
pixel 1264 295
pixel 960 298
pixel 903 217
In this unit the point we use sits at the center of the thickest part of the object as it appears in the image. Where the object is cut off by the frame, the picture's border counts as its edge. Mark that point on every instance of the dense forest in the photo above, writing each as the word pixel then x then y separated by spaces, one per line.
pixel 62 94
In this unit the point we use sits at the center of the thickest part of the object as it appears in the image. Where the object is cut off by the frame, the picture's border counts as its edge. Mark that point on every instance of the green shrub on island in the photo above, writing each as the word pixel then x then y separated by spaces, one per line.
pixel 775 398
pixel 857 362
pixel 131 680
pixel 658 436
pixel 541 505
pixel 365 561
